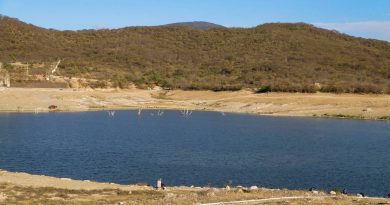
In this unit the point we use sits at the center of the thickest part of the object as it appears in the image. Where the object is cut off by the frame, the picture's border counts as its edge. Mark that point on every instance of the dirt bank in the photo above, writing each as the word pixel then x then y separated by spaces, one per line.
pixel 281 104
pixel 22 188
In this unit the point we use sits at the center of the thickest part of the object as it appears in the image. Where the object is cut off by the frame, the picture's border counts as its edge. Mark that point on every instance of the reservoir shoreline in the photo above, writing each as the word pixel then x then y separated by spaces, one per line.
pixel 65 190
pixel 324 105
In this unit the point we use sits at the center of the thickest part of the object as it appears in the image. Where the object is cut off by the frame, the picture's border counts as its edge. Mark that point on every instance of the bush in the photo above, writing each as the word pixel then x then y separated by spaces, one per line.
pixel 367 89
pixel 264 89
pixel 120 82
pixel 331 89
pixel 98 84
pixel 8 67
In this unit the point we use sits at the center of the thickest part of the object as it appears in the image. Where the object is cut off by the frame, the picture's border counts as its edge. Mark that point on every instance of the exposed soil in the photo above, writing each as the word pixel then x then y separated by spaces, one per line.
pixel 279 104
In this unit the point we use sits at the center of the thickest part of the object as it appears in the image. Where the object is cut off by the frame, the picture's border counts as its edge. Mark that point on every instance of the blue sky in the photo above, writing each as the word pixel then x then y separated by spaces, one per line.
pixel 365 18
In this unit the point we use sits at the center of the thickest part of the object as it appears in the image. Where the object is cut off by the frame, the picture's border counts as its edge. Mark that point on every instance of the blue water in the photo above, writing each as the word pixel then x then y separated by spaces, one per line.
pixel 203 149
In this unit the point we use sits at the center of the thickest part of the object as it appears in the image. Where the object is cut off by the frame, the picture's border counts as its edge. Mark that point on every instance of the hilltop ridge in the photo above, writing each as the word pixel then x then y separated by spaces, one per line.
pixel 201 25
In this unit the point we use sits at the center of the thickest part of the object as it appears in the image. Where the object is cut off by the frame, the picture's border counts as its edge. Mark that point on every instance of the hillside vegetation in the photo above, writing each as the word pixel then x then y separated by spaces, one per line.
pixel 278 56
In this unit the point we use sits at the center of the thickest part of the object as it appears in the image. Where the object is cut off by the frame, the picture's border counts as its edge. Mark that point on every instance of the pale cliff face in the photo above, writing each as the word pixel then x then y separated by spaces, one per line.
pixel 4 77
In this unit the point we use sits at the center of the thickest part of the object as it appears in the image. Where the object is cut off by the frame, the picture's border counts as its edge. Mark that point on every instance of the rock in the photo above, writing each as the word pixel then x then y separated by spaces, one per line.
pixel 216 190
pixel 227 187
pixel 314 191
pixel 362 194
pixel 132 86
pixel 253 188
pixel 359 195
pixel 367 110
pixel 74 84
pixel 240 189
pixel 3 197
pixel 332 193
pixel 245 190
pixel 157 88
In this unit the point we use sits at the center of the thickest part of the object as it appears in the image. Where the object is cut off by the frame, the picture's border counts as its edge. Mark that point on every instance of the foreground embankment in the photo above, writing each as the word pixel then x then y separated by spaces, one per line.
pixel 278 104
pixel 23 188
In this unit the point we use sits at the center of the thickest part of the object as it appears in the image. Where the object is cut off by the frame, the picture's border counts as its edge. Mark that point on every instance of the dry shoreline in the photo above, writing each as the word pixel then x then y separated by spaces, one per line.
pixel 355 106
pixel 23 188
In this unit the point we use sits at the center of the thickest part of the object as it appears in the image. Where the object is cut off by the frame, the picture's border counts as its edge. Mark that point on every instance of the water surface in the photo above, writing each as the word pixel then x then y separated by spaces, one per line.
pixel 206 148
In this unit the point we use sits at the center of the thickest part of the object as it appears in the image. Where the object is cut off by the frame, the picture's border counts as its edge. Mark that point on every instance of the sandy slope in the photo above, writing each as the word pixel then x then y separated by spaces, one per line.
pixel 286 104
pixel 24 179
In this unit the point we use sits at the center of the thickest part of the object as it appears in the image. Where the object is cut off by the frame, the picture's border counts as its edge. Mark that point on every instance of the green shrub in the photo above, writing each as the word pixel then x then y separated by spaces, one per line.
pixel 264 89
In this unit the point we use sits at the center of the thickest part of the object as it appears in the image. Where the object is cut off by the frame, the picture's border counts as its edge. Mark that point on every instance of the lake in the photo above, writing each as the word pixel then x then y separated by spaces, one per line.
pixel 205 148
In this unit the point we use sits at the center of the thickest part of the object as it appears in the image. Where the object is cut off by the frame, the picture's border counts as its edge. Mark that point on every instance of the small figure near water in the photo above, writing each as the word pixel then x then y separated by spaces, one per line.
pixel 160 184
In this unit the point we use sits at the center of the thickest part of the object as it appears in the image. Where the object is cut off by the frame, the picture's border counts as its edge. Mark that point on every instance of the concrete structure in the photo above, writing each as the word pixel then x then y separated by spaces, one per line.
pixel 4 77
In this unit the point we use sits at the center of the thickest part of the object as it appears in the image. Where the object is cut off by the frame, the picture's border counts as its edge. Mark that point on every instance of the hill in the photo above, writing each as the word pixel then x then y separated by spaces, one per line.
pixel 201 25
pixel 278 56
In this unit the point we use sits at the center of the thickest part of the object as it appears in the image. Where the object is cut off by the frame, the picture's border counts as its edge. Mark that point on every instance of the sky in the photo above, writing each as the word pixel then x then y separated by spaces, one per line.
pixel 363 18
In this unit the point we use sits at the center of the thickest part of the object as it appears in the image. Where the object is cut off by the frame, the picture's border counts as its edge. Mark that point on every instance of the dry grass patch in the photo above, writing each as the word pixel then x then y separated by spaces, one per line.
pixel 13 194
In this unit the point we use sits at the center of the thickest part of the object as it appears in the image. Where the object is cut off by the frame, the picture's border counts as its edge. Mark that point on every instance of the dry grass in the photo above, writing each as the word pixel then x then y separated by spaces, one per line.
pixel 46 195
pixel 13 194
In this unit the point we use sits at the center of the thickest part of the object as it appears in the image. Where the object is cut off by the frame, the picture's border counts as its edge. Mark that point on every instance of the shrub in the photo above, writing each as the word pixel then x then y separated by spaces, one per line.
pixel 98 84
pixel 264 89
